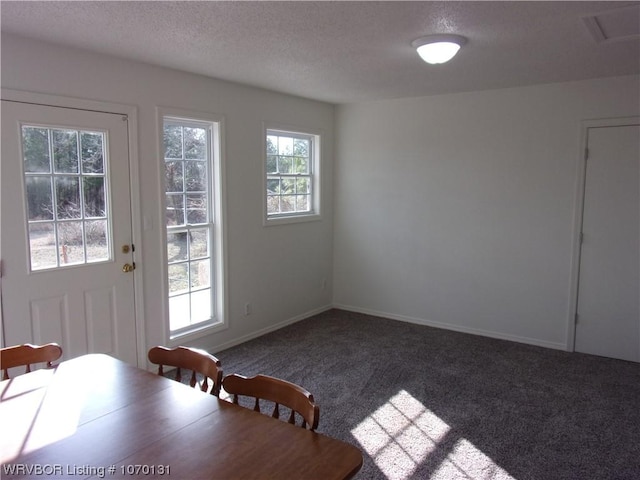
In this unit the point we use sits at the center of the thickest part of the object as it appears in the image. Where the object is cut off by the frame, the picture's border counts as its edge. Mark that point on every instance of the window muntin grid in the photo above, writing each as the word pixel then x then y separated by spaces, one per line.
pixel 289 173
pixel 189 223
pixel 66 186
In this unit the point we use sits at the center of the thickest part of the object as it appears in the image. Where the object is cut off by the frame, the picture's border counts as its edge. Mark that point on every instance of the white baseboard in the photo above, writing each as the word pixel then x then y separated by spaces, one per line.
pixel 455 328
pixel 269 329
pixel 391 316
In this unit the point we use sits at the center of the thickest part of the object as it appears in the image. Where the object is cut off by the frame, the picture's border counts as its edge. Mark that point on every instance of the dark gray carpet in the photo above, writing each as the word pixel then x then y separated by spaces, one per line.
pixel 425 403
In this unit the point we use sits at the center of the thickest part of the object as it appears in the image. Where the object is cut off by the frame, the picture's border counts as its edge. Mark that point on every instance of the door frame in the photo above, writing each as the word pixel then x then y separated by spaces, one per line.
pixel 134 176
pixel 581 178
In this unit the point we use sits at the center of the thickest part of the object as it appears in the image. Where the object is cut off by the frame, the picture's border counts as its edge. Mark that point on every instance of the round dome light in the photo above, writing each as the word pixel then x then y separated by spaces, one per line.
pixel 435 49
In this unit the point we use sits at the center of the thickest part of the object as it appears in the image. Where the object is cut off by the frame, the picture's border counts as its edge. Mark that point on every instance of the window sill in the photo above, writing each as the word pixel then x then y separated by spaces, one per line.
pixel 289 219
pixel 197 332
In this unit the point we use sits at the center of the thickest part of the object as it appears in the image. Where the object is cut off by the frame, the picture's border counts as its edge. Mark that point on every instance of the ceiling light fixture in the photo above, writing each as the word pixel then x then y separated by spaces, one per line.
pixel 436 49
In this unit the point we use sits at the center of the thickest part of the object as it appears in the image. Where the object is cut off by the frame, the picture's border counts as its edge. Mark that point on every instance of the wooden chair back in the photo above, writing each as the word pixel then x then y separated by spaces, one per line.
pixel 278 391
pixel 27 355
pixel 194 359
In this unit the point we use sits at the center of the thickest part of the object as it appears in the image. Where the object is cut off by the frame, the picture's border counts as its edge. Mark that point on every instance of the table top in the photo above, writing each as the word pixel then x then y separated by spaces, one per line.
pixel 97 417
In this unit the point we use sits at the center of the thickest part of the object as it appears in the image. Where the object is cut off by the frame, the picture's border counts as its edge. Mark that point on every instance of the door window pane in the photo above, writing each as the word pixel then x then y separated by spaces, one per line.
pixel 97 244
pixel 35 146
pixel 94 197
pixel 42 244
pixel 92 153
pixel 65 151
pixel 68 197
pixel 71 240
pixel 67 209
pixel 39 198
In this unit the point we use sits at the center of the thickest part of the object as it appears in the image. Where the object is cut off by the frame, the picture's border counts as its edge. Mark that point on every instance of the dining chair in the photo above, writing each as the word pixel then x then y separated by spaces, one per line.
pixel 278 391
pixel 27 355
pixel 194 359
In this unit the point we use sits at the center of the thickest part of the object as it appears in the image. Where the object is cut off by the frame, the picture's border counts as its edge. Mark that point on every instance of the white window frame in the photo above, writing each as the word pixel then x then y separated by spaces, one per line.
pixel 315 137
pixel 219 319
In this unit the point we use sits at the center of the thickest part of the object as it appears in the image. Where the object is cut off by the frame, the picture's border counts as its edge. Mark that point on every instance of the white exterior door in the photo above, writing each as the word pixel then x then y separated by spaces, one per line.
pixel 66 230
pixel 608 308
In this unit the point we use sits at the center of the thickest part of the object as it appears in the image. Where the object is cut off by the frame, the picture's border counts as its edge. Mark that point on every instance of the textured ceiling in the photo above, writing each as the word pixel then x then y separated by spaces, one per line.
pixel 342 52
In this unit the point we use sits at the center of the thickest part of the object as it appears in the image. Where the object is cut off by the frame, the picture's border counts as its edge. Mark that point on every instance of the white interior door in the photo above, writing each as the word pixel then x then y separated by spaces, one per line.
pixel 609 281
pixel 66 217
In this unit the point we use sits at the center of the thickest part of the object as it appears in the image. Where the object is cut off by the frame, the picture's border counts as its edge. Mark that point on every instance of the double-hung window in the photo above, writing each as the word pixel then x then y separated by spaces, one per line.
pixel 193 224
pixel 292 175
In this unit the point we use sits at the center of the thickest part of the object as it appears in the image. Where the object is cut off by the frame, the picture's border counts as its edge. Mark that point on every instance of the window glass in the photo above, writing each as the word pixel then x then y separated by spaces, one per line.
pixel 291 166
pixel 66 185
pixel 190 219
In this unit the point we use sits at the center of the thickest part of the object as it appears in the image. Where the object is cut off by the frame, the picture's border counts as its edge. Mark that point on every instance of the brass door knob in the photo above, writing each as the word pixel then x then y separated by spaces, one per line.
pixel 126 268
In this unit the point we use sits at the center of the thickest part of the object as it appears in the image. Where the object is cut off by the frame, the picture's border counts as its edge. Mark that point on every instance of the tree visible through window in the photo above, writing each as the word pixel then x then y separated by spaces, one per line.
pixel 66 184
pixel 291 167
pixel 189 221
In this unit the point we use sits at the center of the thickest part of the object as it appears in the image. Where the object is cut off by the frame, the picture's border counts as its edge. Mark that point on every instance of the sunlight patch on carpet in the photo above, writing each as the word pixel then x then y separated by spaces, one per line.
pixel 401 434
pixel 466 461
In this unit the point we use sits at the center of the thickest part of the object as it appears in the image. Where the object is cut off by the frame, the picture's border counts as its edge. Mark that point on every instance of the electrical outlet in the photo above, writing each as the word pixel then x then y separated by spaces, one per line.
pixel 323 284
pixel 247 309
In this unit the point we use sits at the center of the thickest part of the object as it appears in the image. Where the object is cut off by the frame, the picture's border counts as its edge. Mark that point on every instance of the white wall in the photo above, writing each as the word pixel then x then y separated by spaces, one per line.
pixel 458 210
pixel 279 269
pixel 454 210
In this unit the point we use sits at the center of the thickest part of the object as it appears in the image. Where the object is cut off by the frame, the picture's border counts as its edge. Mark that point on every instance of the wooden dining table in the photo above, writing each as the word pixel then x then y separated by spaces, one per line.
pixel 96 417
